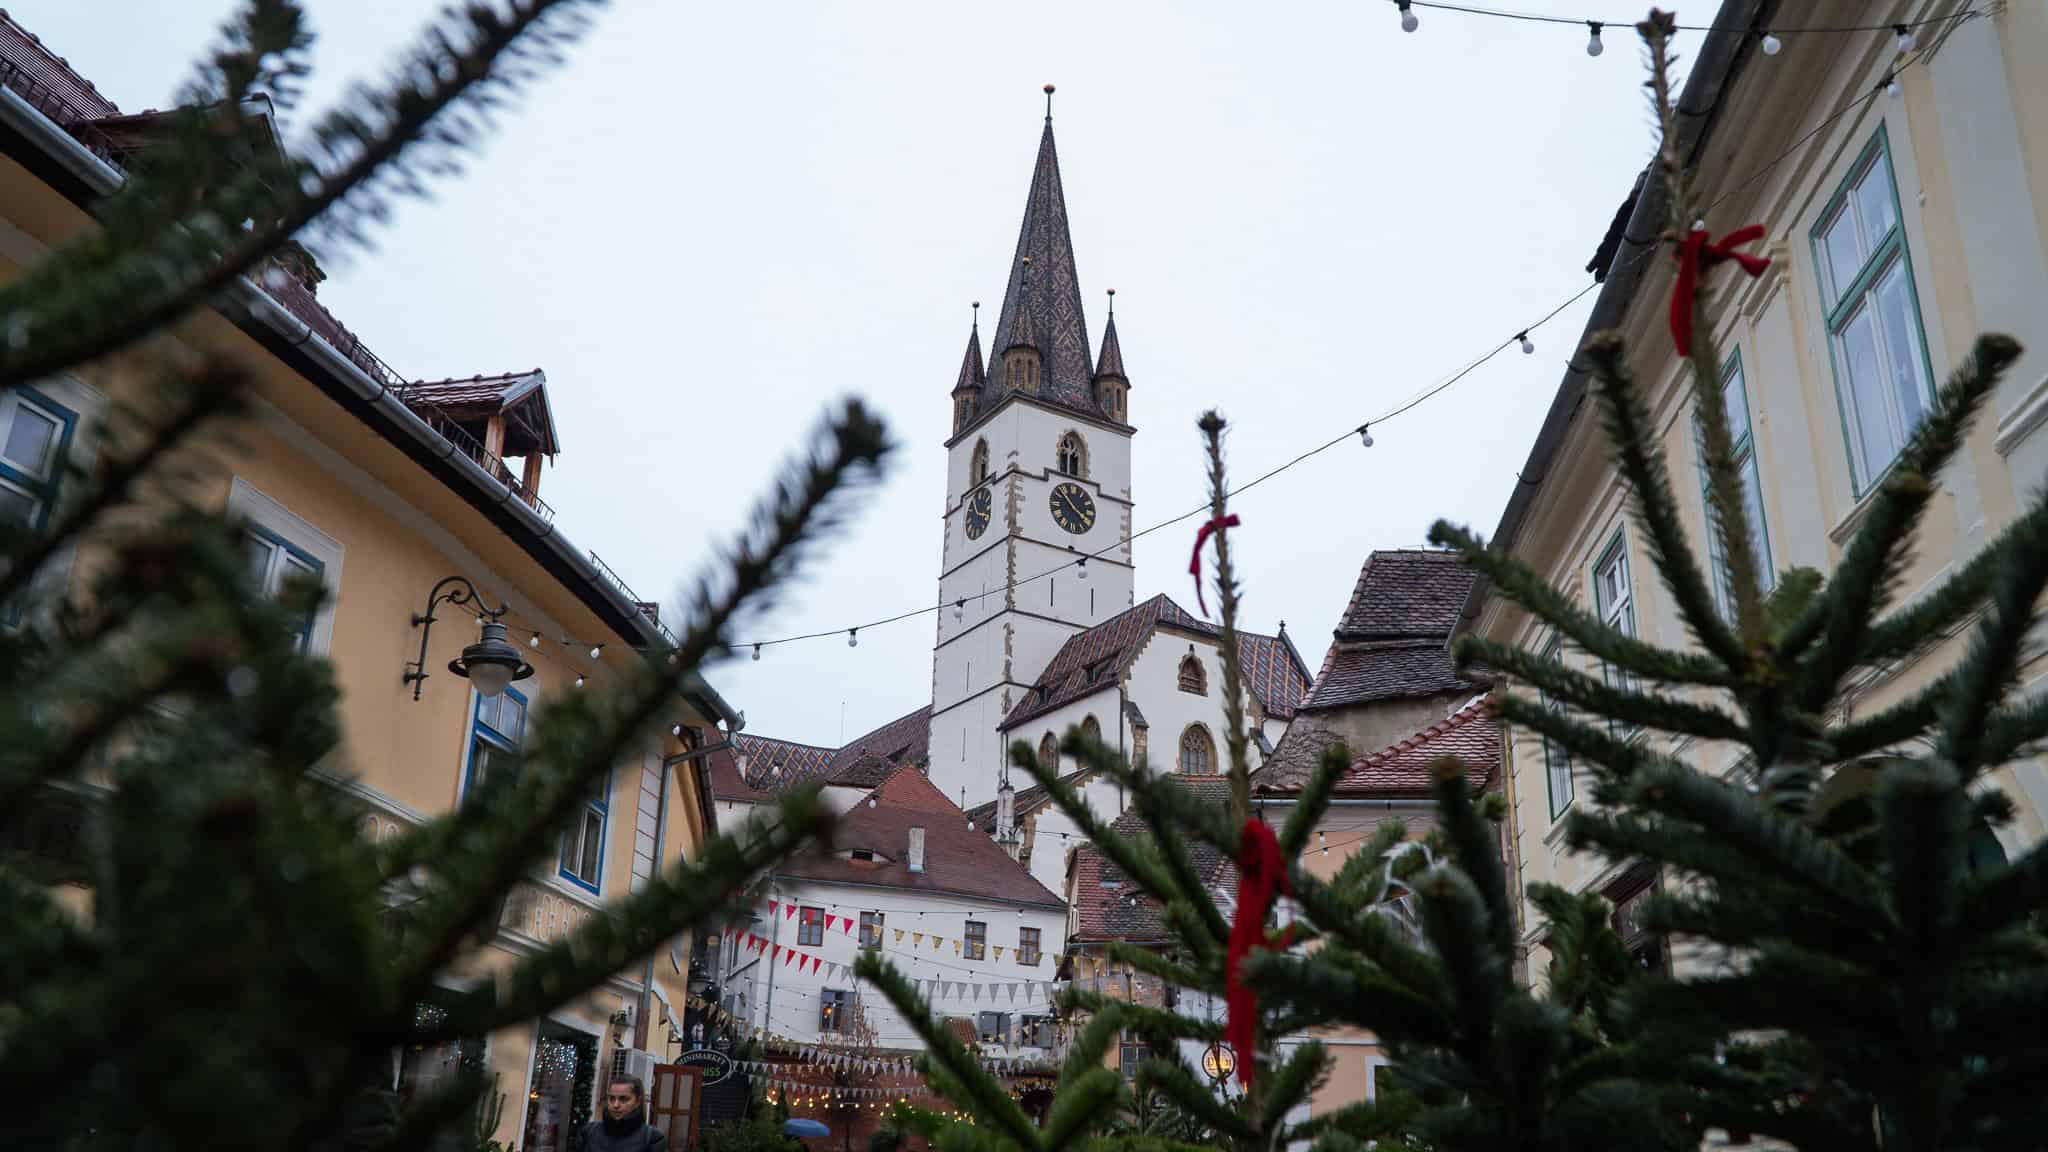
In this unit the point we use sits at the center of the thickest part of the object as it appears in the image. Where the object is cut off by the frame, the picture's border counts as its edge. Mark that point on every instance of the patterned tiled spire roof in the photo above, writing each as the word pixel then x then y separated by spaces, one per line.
pixel 1051 309
pixel 1111 362
pixel 971 371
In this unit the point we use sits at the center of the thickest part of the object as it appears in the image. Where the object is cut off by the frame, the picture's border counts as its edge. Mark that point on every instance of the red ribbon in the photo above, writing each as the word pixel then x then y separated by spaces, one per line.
pixel 1195 561
pixel 1261 876
pixel 1696 253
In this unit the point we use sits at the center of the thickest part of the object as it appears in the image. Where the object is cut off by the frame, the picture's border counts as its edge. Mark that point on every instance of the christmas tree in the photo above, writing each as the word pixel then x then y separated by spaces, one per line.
pixel 249 964
pixel 1877 984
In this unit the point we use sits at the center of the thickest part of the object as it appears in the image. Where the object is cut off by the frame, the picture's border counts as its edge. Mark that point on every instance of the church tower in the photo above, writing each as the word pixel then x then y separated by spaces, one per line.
pixel 1038 496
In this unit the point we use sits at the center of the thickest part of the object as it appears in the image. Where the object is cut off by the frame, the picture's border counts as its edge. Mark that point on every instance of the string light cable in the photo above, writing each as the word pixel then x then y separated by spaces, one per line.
pixel 1905 31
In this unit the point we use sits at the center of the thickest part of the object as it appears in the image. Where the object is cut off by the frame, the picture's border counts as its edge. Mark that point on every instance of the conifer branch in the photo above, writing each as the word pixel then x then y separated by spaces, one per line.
pixel 1153 963
pixel 96 297
pixel 1520 585
pixel 1313 801
pixel 989 1100
pixel 1991 666
pixel 1577 690
pixel 1475 844
pixel 1234 736
pixel 1179 1083
pixel 1656 508
pixel 1616 760
pixel 1905 720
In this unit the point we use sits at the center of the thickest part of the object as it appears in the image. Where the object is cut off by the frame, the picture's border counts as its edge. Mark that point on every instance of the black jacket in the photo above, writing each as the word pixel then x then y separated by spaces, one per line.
pixel 636 1136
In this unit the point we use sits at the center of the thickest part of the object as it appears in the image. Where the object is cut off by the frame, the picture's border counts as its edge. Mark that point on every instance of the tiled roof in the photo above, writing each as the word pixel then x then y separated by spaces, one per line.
pixel 1048 313
pixel 864 762
pixel 1402 769
pixel 773 765
pixel 45 78
pixel 499 392
pixel 958 862
pixel 1028 800
pixel 1299 753
pixel 1111 362
pixel 1103 905
pixel 1093 660
pixel 971 370
pixel 726 783
pixel 1386 670
pixel 1406 593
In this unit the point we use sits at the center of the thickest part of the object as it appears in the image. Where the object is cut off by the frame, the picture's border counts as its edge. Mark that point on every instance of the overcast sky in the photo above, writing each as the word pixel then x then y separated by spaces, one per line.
pixel 714 219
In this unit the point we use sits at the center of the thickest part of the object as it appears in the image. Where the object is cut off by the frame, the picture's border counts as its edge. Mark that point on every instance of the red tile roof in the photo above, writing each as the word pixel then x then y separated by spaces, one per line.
pixel 1401 770
pixel 1108 906
pixel 1092 660
pixel 726 783
pixel 1361 673
pixel 958 862
pixel 772 765
pixel 46 79
pixel 864 762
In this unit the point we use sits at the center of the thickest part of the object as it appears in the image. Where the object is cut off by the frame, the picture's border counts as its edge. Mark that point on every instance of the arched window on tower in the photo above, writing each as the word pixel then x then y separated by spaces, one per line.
pixel 1197 752
pixel 1193 677
pixel 977 468
pixel 1092 728
pixel 1073 455
pixel 1049 751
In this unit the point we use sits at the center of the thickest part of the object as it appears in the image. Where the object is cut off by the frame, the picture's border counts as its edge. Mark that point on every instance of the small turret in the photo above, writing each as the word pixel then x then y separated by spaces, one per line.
pixel 968 387
pixel 1112 387
pixel 1021 361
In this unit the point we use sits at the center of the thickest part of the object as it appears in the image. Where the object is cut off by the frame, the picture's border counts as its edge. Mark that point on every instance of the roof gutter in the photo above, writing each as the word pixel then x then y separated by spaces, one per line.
pixel 1715 67
pixel 293 341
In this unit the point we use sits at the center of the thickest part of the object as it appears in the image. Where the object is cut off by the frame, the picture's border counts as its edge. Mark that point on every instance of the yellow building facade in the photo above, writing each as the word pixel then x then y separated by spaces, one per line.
pixel 1905 201
pixel 338 475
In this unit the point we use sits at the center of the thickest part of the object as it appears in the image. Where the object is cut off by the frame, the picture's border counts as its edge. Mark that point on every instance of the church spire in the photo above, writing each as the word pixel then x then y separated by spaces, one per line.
pixel 967 388
pixel 1048 313
pixel 1112 387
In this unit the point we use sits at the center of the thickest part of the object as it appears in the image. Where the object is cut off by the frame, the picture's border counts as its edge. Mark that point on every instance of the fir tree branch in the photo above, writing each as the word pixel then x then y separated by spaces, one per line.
pixel 1585 693
pixel 1642 465
pixel 1475 843
pixel 1454 917
pixel 1285 1087
pixel 1988 671
pixel 1896 724
pixel 1079 1104
pixel 96 297
pixel 1212 426
pixel 41 937
pixel 1313 801
pixel 1370 999
pixel 1091 1047
pixel 981 1094
pixel 1360 932
pixel 1178 1083
pixel 1839 620
pixel 1520 585
pixel 1152 963
pixel 1994 902
pixel 1616 760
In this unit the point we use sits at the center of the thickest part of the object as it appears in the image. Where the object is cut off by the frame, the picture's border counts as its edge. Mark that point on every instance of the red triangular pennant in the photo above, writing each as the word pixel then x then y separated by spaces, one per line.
pixel 789 911
pixel 788 954
pixel 772 906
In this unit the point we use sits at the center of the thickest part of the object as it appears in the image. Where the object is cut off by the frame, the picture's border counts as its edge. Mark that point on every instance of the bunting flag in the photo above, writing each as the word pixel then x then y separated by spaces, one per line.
pixel 899 935
pixel 977 993
pixel 935 943
pixel 956 947
pixel 999 951
pixel 789 911
pixel 1013 993
pixel 788 955
pixel 772 906
pixel 917 939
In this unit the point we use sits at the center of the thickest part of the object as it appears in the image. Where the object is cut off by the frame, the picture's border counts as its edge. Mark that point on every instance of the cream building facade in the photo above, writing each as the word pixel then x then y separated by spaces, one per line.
pixel 1905 202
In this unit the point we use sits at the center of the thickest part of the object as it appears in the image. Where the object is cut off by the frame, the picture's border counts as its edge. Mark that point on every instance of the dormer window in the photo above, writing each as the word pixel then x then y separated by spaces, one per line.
pixel 1193 677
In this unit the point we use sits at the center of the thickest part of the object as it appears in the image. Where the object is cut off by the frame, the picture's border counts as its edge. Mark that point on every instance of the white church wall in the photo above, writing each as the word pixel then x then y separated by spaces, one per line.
pixel 1154 683
pixel 795 1007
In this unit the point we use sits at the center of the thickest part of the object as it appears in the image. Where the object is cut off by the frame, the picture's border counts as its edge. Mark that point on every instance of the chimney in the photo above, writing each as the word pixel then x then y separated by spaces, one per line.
pixel 915 857
pixel 1006 810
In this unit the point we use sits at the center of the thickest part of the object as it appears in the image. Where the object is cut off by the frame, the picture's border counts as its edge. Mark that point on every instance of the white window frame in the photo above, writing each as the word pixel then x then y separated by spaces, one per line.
pixel 81 405
pixel 249 505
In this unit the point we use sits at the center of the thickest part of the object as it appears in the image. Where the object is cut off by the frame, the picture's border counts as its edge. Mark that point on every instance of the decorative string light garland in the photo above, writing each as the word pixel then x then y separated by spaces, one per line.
pixel 1903 31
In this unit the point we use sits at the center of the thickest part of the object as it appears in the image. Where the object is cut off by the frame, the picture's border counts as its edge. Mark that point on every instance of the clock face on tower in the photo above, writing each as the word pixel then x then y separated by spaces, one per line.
pixel 1071 508
pixel 979 504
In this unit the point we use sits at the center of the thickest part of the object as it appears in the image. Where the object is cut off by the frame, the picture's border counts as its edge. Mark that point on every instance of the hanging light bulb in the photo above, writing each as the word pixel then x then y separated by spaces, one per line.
pixel 959 610
pixel 871 800
pixel 676 731
pixel 1528 345
pixel 1771 44
pixel 535 642
pixel 853 637
pixel 1593 45
pixel 1408 20
pixel 1891 87
pixel 1365 435
pixel 596 650
pixel 579 681
pixel 1082 566
pixel 1907 42
pixel 757 653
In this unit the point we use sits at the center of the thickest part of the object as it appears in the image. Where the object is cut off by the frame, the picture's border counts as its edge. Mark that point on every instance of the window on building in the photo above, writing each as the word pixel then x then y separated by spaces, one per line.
pixel 1091 728
pixel 1027 947
pixel 1049 751
pixel 1035 1031
pixel 34 433
pixel 1130 1054
pixel 1193 677
pixel 274 564
pixel 833 1006
pixel 871 929
pixel 1073 455
pixel 1197 752
pixel 977 467
pixel 1879 353
pixel 993 1027
pixel 975 947
pixel 1614 598
pixel 810 927
pixel 583 840
pixel 499 726
pixel 1557 763
pixel 1735 402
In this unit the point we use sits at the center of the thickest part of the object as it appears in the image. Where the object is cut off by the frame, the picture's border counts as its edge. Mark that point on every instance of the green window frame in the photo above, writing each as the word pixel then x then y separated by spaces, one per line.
pixel 1614 599
pixel 1877 343
pixel 1735 402
pixel 1557 761
pixel 35 441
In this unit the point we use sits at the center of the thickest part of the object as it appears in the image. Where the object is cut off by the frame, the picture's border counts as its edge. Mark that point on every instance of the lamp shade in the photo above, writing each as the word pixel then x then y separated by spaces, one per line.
pixel 492 663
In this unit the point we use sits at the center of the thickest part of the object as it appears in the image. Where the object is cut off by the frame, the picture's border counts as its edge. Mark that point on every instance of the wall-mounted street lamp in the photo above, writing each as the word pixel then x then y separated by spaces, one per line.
pixel 491 663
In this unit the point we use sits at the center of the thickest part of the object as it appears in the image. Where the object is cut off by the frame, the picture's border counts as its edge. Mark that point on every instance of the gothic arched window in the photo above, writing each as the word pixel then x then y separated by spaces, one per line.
pixel 1073 455
pixel 1049 751
pixel 1092 728
pixel 977 468
pixel 1193 678
pixel 1197 752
